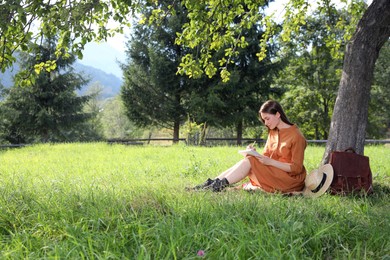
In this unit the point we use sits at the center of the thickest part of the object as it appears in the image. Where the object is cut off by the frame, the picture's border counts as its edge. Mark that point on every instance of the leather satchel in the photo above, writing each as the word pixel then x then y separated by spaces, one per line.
pixel 352 173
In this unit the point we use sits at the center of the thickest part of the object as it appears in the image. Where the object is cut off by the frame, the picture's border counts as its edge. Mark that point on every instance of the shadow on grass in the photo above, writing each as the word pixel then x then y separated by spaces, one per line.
pixel 381 189
pixel 380 193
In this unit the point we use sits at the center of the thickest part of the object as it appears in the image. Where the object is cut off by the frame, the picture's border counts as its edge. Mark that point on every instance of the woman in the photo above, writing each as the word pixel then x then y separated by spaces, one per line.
pixel 280 167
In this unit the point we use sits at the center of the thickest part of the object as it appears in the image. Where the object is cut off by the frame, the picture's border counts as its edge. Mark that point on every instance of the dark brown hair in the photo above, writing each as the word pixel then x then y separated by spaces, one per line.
pixel 273 107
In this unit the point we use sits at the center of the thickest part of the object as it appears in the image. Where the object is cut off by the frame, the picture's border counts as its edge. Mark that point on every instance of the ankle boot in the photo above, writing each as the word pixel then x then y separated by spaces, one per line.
pixel 219 185
pixel 204 185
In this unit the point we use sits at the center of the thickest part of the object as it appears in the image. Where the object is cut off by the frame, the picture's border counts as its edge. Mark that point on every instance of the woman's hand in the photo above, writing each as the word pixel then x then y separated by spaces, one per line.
pixel 265 160
pixel 251 147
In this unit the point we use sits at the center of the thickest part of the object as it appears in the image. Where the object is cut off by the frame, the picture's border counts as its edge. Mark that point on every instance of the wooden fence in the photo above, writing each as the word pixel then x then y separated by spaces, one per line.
pixel 141 141
pixel 208 141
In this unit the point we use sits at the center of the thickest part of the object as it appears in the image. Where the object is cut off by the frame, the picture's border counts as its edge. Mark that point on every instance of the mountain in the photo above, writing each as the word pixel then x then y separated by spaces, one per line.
pixel 103 56
pixel 110 83
pixel 6 77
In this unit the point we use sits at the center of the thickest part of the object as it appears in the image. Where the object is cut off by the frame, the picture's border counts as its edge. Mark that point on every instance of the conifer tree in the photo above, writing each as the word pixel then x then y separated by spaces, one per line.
pixel 153 93
pixel 49 109
pixel 236 103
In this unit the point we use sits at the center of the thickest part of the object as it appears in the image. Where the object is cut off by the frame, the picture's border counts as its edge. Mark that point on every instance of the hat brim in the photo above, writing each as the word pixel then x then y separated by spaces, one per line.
pixel 326 169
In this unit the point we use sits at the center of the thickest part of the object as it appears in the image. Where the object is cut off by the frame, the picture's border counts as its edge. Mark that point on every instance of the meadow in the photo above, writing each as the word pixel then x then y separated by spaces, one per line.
pixel 101 201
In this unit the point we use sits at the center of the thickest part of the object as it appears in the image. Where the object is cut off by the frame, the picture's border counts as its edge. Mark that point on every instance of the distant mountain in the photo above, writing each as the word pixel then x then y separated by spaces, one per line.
pixel 110 83
pixel 103 56
pixel 6 78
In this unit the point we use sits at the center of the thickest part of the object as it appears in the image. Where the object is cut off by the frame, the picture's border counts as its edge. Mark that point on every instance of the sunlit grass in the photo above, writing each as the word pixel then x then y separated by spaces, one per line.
pixel 123 202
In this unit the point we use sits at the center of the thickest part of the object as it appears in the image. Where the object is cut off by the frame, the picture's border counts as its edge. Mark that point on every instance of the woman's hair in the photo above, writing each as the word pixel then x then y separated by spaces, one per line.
pixel 272 107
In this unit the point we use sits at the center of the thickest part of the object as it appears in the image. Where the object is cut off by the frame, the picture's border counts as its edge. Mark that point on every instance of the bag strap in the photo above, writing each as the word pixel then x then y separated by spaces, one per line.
pixel 350 149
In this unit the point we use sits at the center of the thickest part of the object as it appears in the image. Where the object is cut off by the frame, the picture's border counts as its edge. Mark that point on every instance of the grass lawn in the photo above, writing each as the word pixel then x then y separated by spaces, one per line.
pixel 100 201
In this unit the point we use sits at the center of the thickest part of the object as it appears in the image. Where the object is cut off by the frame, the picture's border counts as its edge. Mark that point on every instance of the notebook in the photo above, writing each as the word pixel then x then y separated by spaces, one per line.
pixel 249 152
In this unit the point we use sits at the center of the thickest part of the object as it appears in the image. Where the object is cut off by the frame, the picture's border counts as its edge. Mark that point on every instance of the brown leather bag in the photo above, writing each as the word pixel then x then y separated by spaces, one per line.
pixel 352 173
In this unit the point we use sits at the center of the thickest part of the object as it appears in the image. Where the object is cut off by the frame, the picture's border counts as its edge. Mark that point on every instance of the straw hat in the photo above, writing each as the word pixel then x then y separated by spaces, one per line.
pixel 318 181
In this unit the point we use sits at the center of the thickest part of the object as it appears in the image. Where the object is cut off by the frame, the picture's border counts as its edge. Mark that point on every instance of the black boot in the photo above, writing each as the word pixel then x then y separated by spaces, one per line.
pixel 204 185
pixel 219 185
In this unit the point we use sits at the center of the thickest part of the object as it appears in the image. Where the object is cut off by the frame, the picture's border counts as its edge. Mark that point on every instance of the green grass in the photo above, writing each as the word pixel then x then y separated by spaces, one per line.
pixel 99 201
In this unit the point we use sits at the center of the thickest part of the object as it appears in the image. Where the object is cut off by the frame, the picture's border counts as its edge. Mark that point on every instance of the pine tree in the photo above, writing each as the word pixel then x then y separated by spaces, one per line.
pixel 49 109
pixel 153 94
pixel 236 103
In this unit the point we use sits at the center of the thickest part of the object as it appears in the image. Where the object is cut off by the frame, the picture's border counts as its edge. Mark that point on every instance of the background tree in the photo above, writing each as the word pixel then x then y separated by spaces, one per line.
pixel 314 70
pixel 3 111
pixel 236 103
pixel 93 127
pixel 205 101
pixel 211 26
pixel 153 94
pixel 49 109
pixel 115 122
pixel 379 109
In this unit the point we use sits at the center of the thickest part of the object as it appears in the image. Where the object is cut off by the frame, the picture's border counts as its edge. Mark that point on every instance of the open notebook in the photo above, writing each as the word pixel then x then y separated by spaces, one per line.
pixel 249 152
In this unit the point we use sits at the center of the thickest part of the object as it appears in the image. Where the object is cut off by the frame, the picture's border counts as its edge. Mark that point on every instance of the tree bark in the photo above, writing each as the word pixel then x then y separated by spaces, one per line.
pixel 349 120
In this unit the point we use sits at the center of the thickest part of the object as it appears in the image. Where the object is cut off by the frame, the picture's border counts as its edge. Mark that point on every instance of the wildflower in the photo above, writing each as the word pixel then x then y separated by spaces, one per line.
pixel 200 253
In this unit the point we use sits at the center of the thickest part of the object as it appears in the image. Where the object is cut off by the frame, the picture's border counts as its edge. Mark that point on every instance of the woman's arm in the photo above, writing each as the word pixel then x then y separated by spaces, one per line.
pixel 271 162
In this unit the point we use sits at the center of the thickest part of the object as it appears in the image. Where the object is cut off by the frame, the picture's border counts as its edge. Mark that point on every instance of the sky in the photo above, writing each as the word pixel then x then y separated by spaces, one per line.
pixel 107 55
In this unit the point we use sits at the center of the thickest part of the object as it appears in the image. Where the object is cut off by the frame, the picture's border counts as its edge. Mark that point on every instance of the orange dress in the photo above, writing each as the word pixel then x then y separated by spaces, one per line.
pixel 285 145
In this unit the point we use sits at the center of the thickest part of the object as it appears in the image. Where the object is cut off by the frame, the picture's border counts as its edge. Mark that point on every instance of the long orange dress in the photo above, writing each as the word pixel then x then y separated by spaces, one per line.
pixel 285 145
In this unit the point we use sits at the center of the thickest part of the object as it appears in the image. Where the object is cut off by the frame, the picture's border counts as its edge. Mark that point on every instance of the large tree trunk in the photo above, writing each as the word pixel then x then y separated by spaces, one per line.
pixel 348 126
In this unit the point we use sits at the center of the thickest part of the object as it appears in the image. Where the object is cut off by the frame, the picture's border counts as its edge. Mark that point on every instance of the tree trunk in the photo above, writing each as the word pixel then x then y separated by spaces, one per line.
pixel 239 132
pixel 349 120
pixel 176 130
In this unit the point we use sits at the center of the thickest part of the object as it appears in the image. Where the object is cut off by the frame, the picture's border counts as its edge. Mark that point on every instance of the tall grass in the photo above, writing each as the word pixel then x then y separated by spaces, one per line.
pixel 99 201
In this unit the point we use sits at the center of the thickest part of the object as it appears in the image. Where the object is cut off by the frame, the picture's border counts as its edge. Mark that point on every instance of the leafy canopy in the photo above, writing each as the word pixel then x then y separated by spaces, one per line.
pixel 213 25
pixel 217 25
pixel 75 22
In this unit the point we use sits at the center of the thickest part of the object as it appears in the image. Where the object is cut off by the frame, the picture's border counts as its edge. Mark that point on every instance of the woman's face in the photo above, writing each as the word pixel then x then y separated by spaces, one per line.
pixel 271 121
